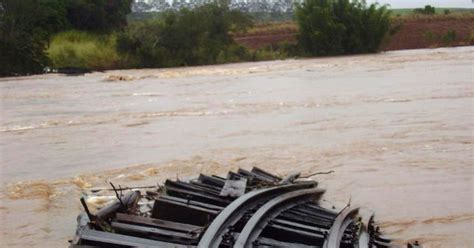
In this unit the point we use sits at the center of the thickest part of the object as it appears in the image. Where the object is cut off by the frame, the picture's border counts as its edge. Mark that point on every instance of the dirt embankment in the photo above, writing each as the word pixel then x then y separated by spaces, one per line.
pixel 413 33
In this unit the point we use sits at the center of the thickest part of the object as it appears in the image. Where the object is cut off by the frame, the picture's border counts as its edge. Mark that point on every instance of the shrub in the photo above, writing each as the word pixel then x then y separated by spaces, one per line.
pixel 429 36
pixel 21 55
pixel 186 37
pixel 449 37
pixel 80 49
pixel 332 27
pixel 427 10
pixel 278 51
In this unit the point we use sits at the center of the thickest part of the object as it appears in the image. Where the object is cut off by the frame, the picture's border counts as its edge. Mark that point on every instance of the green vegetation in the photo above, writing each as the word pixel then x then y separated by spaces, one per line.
pixel 186 37
pixel 98 15
pixel 178 38
pixel 79 49
pixel 329 27
pixel 427 10
pixel 446 39
pixel 449 37
pixel 429 36
pixel 26 27
pixel 101 35
pixel 23 35
pixel 143 16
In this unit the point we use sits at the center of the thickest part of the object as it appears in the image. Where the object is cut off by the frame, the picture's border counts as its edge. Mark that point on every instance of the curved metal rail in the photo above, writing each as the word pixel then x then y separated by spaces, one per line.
pixel 270 210
pixel 337 229
pixel 363 235
pixel 234 212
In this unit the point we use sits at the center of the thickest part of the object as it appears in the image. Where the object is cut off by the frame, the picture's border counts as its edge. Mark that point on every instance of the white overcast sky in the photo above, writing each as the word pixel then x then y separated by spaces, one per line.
pixel 420 3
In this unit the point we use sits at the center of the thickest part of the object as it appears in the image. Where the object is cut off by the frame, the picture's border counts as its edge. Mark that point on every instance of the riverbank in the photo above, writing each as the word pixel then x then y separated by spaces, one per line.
pixel 270 41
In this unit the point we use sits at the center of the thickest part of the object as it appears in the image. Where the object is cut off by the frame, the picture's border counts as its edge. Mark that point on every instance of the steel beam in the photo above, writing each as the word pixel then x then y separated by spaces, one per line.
pixel 234 211
pixel 270 210
pixel 93 236
pixel 335 233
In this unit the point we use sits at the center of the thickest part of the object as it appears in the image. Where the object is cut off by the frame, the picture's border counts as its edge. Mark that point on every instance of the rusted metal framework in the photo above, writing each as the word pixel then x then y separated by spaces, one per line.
pixel 245 209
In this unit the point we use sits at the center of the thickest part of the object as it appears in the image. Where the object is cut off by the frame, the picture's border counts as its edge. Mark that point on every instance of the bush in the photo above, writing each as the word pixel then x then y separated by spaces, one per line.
pixel 21 54
pixel 427 10
pixel 80 49
pixel 278 51
pixel 449 37
pixel 429 36
pixel 186 37
pixel 332 27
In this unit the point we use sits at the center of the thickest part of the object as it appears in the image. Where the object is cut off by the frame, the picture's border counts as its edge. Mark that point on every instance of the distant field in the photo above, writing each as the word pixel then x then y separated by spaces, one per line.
pixel 439 11
pixel 414 31
pixel 266 17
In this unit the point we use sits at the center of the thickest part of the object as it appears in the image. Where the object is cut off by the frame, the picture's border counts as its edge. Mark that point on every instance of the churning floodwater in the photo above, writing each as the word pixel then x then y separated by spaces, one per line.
pixel 397 129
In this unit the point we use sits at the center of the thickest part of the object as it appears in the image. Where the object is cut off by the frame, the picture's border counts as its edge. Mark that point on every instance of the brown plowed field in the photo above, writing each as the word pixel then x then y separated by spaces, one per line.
pixel 414 33
pixel 262 40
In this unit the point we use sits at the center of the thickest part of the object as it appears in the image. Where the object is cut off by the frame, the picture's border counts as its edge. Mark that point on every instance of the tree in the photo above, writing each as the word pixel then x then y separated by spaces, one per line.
pixel 427 10
pixel 25 27
pixel 185 37
pixel 98 15
pixel 332 27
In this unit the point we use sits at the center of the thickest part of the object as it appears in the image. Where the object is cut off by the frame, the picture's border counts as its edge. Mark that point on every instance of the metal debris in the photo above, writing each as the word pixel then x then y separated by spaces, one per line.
pixel 245 209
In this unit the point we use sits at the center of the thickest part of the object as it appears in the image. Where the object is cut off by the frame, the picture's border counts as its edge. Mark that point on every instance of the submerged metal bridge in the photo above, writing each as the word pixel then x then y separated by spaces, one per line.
pixel 245 209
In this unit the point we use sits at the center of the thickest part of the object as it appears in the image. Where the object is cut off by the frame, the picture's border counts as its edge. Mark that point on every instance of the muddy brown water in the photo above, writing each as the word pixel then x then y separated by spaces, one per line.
pixel 396 127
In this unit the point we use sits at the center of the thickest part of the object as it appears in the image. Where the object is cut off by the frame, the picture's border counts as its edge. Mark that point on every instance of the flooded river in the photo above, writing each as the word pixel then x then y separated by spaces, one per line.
pixel 397 129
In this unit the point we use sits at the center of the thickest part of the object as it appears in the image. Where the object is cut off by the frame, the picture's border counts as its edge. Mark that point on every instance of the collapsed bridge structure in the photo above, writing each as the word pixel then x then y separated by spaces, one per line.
pixel 245 209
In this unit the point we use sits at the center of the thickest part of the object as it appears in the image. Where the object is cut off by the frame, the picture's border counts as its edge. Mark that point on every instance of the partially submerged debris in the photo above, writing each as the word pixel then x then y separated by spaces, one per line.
pixel 245 209
pixel 73 71
pixel 115 78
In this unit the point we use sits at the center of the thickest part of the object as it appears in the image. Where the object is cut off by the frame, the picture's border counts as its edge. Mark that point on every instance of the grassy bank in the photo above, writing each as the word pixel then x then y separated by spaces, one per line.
pixel 202 36
pixel 223 36
pixel 270 41
pixel 81 49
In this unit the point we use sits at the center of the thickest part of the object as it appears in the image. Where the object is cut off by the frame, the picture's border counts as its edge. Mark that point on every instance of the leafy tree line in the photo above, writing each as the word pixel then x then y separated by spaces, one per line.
pixel 185 37
pixel 198 36
pixel 27 25
pixel 427 10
